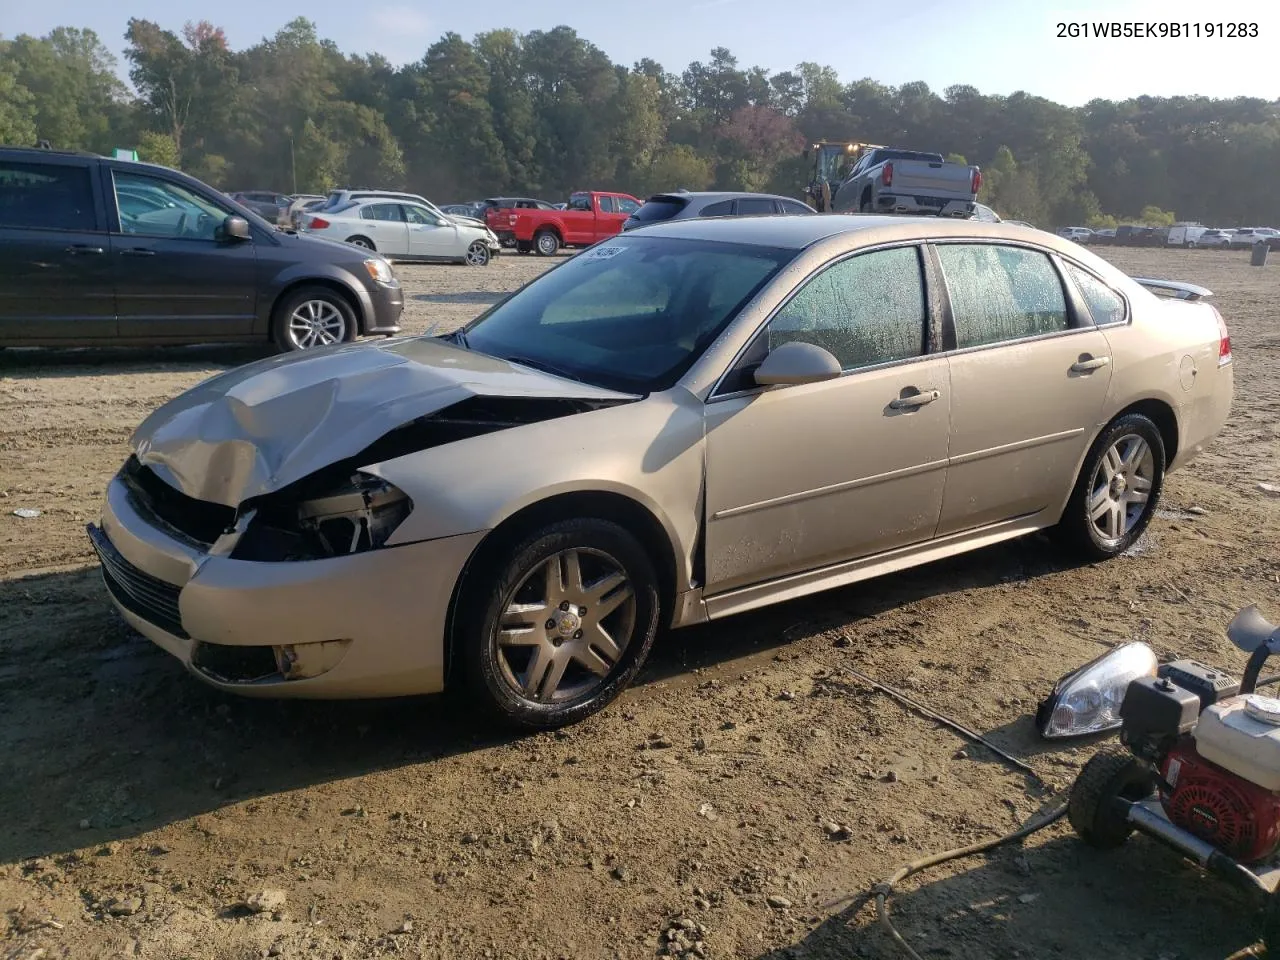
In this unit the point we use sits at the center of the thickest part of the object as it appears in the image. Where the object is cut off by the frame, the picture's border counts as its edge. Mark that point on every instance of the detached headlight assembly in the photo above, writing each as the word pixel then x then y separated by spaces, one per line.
pixel 346 518
pixel 379 269
pixel 1088 700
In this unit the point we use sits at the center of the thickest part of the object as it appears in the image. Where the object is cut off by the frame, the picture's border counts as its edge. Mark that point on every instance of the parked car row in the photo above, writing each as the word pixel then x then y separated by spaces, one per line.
pixel 1188 235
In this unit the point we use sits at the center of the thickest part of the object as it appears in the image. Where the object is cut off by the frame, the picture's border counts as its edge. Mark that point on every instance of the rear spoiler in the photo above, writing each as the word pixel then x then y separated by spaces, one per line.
pixel 1174 289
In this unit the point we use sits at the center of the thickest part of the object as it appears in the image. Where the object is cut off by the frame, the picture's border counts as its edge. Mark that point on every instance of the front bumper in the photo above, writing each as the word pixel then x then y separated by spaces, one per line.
pixel 390 606
pixel 386 303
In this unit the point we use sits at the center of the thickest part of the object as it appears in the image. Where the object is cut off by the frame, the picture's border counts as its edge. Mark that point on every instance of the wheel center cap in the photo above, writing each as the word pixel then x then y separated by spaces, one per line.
pixel 568 623
pixel 1118 485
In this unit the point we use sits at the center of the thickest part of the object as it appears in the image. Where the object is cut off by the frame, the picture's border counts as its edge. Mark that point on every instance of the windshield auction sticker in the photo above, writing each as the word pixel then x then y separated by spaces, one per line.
pixel 602 253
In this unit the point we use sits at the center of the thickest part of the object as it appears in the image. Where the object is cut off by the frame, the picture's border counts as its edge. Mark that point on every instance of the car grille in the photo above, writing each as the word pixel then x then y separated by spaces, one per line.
pixel 140 593
pixel 198 520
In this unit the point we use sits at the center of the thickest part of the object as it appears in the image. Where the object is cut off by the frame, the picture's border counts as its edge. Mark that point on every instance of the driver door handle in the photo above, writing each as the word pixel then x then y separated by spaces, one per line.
pixel 1090 365
pixel 137 252
pixel 915 400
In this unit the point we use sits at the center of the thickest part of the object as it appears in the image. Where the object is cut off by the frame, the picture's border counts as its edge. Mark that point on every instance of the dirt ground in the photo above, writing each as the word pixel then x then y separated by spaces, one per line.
pixel 139 812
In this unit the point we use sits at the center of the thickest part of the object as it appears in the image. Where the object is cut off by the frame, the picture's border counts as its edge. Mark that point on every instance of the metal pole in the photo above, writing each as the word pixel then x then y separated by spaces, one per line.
pixel 293 169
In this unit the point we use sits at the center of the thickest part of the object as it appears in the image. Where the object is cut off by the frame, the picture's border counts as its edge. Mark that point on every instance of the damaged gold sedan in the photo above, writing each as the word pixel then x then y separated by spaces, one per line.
pixel 682 423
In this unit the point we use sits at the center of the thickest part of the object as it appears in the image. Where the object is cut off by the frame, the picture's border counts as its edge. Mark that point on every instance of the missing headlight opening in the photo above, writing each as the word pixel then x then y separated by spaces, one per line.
pixel 356 519
pixel 319 521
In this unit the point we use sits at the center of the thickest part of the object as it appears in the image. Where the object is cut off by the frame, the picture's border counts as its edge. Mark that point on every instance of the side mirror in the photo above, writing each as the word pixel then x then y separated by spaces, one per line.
pixel 797 362
pixel 234 228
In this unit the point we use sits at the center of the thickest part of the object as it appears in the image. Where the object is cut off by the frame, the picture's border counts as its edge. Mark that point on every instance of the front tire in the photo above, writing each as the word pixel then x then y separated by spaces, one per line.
pixel 312 317
pixel 547 243
pixel 477 255
pixel 1117 491
pixel 556 626
pixel 1111 775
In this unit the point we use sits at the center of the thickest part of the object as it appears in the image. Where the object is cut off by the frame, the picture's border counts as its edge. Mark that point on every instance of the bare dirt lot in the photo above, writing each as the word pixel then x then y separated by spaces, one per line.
pixel 139 811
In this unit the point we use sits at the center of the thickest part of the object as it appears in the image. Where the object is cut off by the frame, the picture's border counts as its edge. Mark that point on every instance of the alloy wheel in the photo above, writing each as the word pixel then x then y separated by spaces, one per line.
pixel 477 255
pixel 316 323
pixel 565 627
pixel 1120 490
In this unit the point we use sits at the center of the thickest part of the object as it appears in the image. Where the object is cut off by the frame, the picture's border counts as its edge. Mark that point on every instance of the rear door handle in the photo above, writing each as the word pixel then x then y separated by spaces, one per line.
pixel 78 248
pixel 1090 365
pixel 137 252
pixel 915 400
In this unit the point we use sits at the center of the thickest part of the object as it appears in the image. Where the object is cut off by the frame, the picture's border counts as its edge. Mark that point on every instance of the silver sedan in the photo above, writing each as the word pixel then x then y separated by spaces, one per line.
pixel 676 425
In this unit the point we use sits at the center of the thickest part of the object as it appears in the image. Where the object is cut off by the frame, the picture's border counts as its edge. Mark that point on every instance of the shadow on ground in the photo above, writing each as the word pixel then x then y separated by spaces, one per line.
pixel 82 698
pixel 1027 902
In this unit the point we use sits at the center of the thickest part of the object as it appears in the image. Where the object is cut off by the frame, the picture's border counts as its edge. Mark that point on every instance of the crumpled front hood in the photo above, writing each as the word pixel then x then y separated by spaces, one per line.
pixel 262 426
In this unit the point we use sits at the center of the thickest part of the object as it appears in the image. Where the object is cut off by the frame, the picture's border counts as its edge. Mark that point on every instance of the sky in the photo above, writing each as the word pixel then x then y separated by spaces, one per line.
pixel 998 46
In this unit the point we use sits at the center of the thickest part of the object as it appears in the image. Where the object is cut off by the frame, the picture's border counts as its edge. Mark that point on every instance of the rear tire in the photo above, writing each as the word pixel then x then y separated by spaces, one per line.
pixel 547 243
pixel 1117 491
pixel 543 640
pixel 524 246
pixel 1111 774
pixel 361 242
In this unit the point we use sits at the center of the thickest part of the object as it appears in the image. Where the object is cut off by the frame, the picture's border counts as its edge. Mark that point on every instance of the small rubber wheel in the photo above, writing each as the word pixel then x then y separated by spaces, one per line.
pixel 1111 774
pixel 554 627
pixel 547 243
pixel 312 317
pixel 1117 491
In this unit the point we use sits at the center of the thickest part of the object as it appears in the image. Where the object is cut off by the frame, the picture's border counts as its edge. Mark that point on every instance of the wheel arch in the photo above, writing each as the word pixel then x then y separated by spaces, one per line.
pixel 626 512
pixel 1162 415
pixel 293 286
pixel 360 236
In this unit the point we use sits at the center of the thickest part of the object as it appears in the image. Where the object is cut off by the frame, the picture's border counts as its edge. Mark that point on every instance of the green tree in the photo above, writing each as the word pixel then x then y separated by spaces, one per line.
pixel 158 148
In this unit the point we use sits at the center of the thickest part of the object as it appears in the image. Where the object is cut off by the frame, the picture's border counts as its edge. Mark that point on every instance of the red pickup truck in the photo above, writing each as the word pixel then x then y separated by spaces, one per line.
pixel 587 218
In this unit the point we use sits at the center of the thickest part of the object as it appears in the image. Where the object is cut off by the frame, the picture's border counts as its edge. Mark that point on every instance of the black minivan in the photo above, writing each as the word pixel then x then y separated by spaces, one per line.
pixel 96 251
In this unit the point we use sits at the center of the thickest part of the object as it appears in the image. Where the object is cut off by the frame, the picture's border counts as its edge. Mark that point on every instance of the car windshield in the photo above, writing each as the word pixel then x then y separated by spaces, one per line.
pixel 632 314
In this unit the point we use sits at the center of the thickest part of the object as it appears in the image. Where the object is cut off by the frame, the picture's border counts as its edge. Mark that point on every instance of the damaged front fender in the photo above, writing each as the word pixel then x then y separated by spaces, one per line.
pixel 262 427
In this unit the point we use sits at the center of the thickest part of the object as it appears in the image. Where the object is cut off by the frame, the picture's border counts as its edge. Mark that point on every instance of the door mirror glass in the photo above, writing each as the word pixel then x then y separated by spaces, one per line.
pixel 797 362
pixel 234 228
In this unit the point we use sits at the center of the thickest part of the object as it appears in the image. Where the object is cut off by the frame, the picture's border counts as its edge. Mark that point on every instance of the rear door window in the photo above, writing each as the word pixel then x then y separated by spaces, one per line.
pixel 46 196
pixel 754 206
pixel 382 211
pixel 606 205
pixel 722 209
pixel 1001 293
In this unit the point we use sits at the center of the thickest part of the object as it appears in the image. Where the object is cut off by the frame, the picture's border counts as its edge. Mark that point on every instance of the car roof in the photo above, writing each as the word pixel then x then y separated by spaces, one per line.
pixel 718 195
pixel 796 233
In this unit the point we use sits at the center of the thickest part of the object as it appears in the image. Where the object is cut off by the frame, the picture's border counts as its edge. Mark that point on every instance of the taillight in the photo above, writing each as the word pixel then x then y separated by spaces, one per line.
pixel 319 223
pixel 1224 341
pixel 975 181
pixel 886 174
pixel 511 219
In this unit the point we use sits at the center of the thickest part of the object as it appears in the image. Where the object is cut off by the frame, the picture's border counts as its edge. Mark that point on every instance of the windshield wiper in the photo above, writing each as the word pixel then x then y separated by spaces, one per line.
pixel 544 367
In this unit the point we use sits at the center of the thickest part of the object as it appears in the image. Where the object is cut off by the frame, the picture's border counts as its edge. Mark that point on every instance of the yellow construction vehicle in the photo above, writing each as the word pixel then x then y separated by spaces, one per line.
pixel 832 161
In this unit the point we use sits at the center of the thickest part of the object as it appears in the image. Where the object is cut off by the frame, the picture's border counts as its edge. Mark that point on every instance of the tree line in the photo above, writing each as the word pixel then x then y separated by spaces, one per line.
pixel 546 112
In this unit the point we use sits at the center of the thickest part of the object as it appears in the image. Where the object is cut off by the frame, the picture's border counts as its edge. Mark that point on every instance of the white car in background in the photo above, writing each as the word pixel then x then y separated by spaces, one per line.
pixel 405 230
pixel 1214 238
